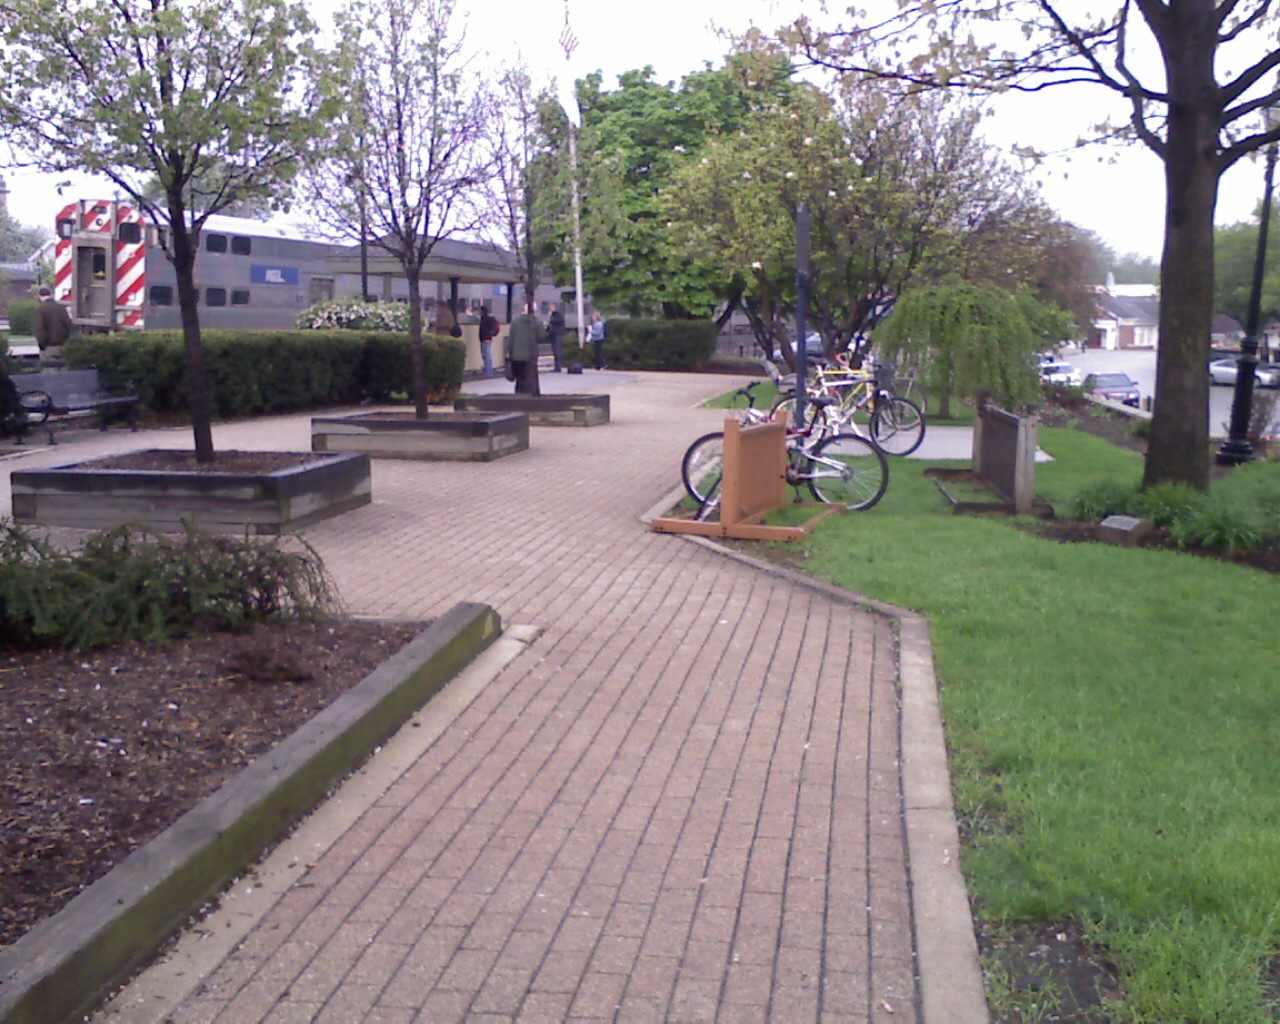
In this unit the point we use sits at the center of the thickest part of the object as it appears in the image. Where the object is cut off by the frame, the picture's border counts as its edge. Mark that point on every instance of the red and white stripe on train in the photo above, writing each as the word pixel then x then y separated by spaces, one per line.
pixel 100 264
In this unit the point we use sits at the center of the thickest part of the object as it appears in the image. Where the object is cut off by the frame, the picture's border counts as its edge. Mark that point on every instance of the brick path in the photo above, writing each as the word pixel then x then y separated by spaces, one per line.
pixel 680 803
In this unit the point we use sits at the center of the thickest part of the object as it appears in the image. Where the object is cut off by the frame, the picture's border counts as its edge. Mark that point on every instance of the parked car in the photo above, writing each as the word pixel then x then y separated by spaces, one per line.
pixel 1060 373
pixel 1116 387
pixel 1223 371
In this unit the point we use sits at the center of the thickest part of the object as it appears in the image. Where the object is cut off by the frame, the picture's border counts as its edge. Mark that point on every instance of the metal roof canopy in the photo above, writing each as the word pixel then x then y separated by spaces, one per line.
pixel 465 262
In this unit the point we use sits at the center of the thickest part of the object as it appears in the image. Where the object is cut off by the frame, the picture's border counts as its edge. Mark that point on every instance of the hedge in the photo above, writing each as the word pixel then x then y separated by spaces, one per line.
pixel 659 344
pixel 251 373
pixel 22 316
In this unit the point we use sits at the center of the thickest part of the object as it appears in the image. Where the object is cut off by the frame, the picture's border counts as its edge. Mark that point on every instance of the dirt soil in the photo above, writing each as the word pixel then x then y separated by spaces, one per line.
pixel 104 750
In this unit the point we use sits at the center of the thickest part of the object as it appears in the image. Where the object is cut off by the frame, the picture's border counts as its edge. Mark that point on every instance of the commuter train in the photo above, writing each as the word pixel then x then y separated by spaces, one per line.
pixel 111 272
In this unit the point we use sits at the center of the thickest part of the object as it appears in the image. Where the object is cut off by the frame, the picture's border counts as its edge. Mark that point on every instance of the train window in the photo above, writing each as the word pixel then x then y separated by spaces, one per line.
pixel 215 296
pixel 321 289
pixel 215 243
pixel 161 295
pixel 241 246
pixel 99 264
pixel 239 296
pixel 66 227
pixel 130 233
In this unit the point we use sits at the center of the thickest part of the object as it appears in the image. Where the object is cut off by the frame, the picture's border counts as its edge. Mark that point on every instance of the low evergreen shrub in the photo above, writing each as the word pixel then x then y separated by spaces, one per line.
pixel 659 344
pixel 22 316
pixel 262 372
pixel 1102 499
pixel 130 583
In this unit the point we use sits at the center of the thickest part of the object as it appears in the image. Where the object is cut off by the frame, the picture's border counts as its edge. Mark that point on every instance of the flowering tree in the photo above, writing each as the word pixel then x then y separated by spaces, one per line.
pixel 216 100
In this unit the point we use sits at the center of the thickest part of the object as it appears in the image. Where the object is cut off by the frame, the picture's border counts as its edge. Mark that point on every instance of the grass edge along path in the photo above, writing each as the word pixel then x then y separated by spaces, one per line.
pixel 1113 731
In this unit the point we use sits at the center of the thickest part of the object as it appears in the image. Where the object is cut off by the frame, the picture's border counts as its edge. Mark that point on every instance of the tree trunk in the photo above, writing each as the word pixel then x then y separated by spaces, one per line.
pixel 417 354
pixel 1178 451
pixel 184 263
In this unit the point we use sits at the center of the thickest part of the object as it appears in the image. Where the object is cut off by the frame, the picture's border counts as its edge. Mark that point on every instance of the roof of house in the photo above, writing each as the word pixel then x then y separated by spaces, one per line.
pixel 1142 308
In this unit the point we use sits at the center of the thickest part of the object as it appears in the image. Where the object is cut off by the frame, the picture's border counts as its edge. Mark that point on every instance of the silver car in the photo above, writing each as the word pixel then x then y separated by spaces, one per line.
pixel 1223 371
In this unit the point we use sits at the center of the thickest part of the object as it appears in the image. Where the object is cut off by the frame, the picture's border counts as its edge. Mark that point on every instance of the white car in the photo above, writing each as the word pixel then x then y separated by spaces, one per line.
pixel 1060 373
pixel 1223 371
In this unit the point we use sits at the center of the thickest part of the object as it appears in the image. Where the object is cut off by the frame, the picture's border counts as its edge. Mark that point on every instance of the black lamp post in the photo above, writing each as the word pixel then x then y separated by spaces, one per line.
pixel 1236 448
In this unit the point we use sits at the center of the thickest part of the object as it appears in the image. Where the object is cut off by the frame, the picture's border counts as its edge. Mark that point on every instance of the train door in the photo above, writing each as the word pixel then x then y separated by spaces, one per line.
pixel 94 293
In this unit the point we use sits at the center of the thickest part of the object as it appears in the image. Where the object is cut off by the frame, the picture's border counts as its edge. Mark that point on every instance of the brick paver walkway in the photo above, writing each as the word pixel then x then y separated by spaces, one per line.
pixel 680 803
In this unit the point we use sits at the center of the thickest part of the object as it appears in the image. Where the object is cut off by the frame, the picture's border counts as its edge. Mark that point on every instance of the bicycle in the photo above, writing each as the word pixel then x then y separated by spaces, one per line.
pixel 895 424
pixel 844 469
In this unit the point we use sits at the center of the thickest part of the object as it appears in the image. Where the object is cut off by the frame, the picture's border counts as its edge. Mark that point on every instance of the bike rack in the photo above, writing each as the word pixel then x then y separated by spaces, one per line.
pixel 753 484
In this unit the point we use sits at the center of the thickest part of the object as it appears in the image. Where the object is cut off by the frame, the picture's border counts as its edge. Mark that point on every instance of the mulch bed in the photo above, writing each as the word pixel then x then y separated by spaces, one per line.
pixel 104 750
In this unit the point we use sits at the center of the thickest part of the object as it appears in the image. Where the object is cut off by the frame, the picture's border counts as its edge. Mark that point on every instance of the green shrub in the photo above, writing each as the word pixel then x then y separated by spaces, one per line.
pixel 659 344
pixel 132 584
pixel 1102 499
pixel 1220 524
pixel 22 316
pixel 1166 504
pixel 261 372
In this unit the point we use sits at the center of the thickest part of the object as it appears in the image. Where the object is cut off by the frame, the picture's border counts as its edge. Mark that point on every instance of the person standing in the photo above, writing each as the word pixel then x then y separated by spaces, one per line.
pixel 555 334
pixel 489 328
pixel 595 332
pixel 52 328
pixel 523 339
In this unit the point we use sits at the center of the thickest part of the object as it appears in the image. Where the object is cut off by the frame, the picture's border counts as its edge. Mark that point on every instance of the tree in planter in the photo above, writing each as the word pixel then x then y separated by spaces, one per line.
pixel 965 338
pixel 232 95
pixel 518 186
pixel 413 149
pixel 1198 113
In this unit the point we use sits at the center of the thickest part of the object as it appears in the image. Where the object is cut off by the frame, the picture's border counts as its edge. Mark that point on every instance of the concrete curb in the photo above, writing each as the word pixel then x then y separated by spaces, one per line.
pixel 66 964
pixel 951 985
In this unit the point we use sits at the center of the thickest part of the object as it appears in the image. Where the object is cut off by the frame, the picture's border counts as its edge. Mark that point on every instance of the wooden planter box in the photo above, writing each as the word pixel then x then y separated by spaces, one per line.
pixel 92 498
pixel 543 410
pixel 460 436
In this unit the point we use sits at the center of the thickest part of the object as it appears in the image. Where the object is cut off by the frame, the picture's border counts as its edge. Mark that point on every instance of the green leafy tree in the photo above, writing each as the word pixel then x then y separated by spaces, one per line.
pixel 411 152
pixel 633 139
pixel 230 95
pixel 1235 249
pixel 1197 111
pixel 965 339
pixel 899 187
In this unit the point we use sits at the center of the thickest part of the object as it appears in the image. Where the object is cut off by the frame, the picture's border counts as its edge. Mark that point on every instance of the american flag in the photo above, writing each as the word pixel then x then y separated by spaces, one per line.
pixel 567 39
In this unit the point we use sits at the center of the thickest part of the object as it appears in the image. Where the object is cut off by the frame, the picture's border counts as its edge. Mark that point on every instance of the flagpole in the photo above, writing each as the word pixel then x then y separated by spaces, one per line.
pixel 569 42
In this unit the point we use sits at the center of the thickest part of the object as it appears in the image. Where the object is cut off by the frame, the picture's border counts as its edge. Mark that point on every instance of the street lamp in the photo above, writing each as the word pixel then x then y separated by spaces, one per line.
pixel 1236 448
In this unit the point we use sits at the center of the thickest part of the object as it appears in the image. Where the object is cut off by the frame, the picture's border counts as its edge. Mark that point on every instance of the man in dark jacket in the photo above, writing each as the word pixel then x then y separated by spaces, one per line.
pixel 555 335
pixel 523 338
pixel 52 327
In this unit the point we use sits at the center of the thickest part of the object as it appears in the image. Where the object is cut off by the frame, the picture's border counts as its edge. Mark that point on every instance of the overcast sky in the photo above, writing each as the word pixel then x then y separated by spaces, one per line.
pixel 1117 193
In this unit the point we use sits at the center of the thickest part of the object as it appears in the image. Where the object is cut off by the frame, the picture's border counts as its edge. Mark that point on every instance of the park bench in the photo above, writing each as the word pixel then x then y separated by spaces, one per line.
pixel 53 395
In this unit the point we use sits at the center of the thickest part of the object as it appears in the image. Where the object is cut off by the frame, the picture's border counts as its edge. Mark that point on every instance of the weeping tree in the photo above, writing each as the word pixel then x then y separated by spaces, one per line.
pixel 218 103
pixel 964 339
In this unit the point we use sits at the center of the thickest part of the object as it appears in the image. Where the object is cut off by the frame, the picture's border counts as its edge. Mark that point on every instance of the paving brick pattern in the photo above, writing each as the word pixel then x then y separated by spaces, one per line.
pixel 681 803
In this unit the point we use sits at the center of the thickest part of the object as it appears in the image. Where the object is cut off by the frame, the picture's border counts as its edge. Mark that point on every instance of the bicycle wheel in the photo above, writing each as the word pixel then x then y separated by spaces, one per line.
pixel 703 466
pixel 822 418
pixel 847 470
pixel 897 426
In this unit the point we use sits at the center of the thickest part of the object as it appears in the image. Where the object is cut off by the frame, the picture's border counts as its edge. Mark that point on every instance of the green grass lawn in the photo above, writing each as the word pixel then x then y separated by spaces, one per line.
pixel 1113 720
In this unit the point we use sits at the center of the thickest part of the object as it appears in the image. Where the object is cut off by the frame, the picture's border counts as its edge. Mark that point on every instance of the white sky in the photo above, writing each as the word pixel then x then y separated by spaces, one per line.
pixel 1116 193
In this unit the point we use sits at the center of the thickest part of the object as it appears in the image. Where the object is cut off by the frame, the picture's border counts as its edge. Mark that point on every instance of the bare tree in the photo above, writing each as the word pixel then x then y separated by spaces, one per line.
pixel 1198 111
pixel 408 165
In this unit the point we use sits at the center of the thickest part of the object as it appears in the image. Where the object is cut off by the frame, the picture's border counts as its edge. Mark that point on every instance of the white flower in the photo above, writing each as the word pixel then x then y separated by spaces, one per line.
pixel 789 175
pixel 808 140
pixel 756 265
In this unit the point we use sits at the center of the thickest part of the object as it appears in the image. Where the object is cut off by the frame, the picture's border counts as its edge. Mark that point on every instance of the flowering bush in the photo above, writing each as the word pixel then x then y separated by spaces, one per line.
pixel 354 314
